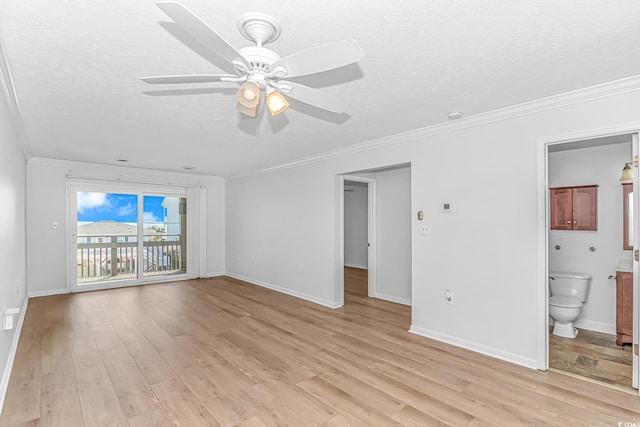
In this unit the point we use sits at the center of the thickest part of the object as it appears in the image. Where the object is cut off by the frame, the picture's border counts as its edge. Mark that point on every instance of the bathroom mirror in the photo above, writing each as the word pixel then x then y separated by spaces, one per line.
pixel 627 212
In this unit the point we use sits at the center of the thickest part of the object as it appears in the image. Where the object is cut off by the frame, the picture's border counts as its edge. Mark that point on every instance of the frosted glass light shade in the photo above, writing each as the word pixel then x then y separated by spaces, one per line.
pixel 248 94
pixel 276 102
pixel 627 174
pixel 251 112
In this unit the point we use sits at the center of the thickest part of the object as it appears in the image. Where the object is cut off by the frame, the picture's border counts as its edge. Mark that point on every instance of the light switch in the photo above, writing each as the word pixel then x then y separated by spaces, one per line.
pixel 425 229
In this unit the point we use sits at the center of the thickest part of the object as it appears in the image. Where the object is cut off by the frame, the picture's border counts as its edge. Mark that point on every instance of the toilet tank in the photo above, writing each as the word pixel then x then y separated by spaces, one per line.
pixel 570 285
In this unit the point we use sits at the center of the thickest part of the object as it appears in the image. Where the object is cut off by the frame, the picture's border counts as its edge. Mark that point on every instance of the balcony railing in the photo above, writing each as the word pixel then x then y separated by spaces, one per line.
pixel 113 259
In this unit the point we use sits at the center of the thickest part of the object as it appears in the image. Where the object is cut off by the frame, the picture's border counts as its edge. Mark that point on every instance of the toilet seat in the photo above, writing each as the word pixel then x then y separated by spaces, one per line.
pixel 568 302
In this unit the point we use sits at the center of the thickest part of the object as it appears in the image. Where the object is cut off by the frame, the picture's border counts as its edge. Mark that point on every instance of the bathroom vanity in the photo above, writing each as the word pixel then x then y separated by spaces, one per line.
pixel 624 303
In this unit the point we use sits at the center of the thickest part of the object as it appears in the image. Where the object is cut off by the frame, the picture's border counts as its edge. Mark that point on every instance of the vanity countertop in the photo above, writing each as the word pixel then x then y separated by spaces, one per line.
pixel 625 266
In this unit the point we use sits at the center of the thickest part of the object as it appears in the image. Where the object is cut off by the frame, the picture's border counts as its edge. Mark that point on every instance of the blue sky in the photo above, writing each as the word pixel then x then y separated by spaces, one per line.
pixel 118 207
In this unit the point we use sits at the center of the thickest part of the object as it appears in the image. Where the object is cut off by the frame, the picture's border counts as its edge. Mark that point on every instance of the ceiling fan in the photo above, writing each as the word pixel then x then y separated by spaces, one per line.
pixel 260 71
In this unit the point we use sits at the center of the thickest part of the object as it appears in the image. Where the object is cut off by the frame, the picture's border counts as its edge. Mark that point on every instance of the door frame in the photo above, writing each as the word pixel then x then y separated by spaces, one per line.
pixel 131 188
pixel 542 220
pixel 371 232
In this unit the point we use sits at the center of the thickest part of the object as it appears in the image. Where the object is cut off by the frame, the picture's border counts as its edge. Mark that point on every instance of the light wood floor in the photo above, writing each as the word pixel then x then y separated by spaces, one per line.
pixel 593 355
pixel 223 352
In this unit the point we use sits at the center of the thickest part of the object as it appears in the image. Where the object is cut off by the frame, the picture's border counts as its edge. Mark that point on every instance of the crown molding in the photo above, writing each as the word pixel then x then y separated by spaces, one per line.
pixel 155 173
pixel 12 100
pixel 603 90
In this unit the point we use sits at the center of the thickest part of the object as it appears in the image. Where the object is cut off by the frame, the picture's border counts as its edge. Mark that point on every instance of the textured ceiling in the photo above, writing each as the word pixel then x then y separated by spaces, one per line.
pixel 76 64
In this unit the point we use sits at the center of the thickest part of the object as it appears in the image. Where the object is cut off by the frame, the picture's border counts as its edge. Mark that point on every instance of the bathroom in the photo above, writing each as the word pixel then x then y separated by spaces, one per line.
pixel 599 253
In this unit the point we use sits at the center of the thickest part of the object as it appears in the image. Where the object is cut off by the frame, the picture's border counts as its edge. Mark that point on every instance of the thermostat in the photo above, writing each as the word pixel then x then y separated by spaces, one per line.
pixel 447 207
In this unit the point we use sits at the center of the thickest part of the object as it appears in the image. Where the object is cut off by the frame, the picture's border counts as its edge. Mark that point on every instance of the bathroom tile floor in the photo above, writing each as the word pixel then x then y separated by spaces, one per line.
pixel 593 355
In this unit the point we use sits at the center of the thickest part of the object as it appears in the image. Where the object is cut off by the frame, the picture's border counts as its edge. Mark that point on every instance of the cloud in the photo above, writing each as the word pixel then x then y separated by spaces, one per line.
pixel 126 210
pixel 87 201
pixel 150 217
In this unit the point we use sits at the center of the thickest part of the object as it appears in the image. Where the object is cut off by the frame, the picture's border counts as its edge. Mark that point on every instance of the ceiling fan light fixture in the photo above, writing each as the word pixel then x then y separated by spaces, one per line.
pixel 276 102
pixel 259 69
pixel 251 112
pixel 248 94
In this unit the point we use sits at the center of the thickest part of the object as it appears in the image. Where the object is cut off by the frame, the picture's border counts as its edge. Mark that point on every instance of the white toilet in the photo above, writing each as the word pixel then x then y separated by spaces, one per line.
pixel 567 293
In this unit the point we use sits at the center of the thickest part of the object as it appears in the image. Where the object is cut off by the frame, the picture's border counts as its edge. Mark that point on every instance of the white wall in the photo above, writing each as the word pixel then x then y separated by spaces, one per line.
pixel 13 177
pixel 601 166
pixel 47 202
pixel 393 235
pixel 356 239
pixel 486 252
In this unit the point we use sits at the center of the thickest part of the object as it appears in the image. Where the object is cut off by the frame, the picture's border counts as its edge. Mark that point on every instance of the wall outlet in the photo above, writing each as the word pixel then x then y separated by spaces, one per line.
pixel 7 318
pixel 425 229
pixel 448 296
pixel 7 323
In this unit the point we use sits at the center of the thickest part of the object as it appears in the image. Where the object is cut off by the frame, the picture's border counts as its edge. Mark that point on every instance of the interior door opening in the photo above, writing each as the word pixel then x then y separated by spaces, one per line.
pixel 357 239
pixel 588 249
pixel 374 234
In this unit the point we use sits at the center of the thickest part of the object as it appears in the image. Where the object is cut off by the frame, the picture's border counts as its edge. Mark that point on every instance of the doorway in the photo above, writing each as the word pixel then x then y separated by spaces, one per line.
pixel 359 235
pixel 383 258
pixel 599 254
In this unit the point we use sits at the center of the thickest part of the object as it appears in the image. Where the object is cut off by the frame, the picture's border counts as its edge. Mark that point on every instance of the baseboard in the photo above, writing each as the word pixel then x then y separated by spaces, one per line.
pixel 330 304
pixel 215 274
pixel 478 348
pixel 593 325
pixel 12 354
pixel 391 298
pixel 361 267
pixel 48 292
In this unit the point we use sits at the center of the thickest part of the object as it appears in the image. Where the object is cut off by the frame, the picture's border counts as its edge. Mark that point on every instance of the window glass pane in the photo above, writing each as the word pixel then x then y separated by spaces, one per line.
pixel 165 224
pixel 106 236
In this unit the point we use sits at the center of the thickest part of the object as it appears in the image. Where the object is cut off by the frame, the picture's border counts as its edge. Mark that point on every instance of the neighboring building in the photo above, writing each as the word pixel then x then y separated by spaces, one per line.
pixel 107 230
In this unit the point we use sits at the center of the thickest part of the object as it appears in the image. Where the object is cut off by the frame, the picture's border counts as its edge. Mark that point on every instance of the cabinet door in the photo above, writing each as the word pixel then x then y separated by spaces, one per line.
pixel 624 308
pixel 585 208
pixel 561 216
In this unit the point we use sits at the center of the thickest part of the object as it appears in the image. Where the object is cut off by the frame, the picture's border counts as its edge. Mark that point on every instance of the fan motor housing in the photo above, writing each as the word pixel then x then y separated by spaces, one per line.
pixel 260 59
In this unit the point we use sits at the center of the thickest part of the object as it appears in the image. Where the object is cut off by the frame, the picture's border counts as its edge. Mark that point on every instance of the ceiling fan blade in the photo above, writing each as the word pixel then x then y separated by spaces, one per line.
pixel 313 97
pixel 320 58
pixel 193 78
pixel 201 31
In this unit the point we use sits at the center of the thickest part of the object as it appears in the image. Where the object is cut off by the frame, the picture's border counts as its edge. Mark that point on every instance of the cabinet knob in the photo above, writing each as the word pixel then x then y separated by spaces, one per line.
pixel 575 221
pixel 569 222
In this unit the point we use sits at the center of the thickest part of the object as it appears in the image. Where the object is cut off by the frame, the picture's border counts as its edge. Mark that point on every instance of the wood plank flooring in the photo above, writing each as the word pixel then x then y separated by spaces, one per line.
pixel 221 352
pixel 593 355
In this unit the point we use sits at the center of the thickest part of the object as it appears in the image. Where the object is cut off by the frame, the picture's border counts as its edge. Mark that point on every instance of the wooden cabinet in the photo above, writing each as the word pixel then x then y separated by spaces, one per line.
pixel 624 312
pixel 574 208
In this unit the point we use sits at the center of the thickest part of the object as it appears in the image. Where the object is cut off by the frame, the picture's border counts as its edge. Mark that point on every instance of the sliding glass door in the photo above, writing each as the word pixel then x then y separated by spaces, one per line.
pixel 164 250
pixel 121 238
pixel 106 237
